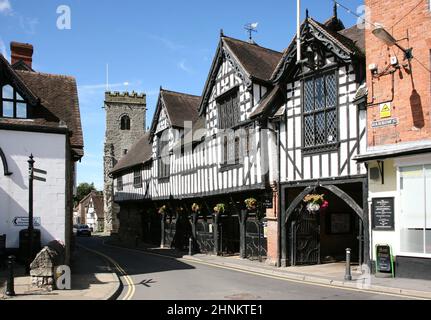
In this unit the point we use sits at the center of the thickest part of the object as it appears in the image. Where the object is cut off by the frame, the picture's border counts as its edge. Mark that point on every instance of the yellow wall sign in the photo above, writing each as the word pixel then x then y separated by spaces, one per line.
pixel 385 110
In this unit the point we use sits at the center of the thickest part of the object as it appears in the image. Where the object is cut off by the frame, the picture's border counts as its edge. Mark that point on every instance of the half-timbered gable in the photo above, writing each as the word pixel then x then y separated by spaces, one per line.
pixel 237 81
pixel 174 111
pixel 323 128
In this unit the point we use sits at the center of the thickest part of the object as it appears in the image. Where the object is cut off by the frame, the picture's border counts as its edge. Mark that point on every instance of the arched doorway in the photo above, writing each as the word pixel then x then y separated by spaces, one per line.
pixel 323 237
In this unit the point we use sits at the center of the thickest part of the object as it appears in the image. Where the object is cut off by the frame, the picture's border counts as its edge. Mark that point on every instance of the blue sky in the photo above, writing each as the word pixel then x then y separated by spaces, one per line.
pixel 146 44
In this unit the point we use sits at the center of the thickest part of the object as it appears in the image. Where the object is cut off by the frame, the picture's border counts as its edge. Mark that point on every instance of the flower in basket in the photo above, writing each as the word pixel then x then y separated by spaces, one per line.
pixel 315 202
pixel 325 205
pixel 251 204
pixel 220 208
pixel 163 210
pixel 196 207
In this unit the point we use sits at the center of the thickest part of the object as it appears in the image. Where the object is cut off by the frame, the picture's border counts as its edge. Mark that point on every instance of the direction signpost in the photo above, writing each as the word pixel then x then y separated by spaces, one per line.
pixel 32 170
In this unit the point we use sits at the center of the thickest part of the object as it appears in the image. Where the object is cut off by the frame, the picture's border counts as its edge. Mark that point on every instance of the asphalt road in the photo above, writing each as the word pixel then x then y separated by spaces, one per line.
pixel 152 277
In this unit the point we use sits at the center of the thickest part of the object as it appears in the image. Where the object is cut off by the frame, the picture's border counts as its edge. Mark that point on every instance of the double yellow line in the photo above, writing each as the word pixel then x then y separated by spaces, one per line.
pixel 131 288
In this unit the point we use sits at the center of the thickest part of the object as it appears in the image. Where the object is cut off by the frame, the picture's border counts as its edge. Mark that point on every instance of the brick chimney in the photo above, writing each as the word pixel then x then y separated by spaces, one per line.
pixel 21 51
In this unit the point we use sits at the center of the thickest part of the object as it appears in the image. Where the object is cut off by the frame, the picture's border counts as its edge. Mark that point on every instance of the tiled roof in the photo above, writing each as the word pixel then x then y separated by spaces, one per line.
pixel 258 62
pixel 59 102
pixel 139 153
pixel 181 107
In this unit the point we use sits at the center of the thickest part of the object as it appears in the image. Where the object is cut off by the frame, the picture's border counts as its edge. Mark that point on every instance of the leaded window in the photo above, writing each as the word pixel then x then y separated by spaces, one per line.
pixel 137 179
pixel 229 114
pixel 12 104
pixel 320 111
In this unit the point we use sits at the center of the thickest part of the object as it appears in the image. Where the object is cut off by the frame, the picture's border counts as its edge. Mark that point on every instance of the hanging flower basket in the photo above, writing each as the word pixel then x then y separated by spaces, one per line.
pixel 315 203
pixel 163 209
pixel 251 204
pixel 220 208
pixel 196 208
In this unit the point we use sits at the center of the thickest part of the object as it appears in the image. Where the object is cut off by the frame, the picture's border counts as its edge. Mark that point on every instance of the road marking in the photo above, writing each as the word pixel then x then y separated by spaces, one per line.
pixel 130 285
pixel 269 276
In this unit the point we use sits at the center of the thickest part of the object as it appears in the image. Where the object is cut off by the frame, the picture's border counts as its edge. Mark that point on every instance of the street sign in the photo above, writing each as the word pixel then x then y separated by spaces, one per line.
pixel 40 171
pixel 384 123
pixel 23 221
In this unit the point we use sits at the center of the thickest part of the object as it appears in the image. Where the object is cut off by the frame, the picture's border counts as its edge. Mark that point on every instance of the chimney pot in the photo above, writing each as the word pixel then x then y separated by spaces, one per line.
pixel 21 51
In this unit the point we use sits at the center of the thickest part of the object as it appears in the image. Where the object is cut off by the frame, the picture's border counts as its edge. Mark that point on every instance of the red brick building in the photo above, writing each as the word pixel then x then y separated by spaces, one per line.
pixel 398 54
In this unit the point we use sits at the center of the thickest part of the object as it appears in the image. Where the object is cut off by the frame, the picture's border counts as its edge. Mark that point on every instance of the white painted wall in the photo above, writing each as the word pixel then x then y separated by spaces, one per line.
pixel 49 152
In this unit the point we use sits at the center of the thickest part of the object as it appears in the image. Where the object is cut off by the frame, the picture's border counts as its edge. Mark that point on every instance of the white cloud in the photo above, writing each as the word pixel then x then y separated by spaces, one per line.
pixel 182 65
pixel 171 45
pixel 28 24
pixel 5 7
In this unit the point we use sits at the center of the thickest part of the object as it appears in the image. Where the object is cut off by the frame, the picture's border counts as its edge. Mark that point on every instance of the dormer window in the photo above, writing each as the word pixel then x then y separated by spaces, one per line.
pixel 12 104
pixel 125 123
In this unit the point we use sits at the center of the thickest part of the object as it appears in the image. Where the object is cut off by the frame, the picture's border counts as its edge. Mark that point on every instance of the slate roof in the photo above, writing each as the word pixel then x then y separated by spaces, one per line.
pixel 139 153
pixel 57 105
pixel 258 62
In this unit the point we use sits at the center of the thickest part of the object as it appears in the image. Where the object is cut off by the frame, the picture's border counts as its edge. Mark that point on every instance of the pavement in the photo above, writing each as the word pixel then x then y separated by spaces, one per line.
pixel 328 275
pixel 92 279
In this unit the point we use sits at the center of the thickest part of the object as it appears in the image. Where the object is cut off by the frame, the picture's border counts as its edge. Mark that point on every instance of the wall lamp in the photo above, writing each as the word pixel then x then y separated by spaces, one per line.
pixel 380 33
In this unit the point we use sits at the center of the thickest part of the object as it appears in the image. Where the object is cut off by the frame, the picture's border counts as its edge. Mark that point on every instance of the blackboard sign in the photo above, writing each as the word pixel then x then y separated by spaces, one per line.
pixel 267 202
pixel 383 214
pixel 385 261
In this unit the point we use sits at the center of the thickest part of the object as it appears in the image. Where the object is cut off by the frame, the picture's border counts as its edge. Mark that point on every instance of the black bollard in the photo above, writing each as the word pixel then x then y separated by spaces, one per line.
pixel 190 246
pixel 10 292
pixel 348 276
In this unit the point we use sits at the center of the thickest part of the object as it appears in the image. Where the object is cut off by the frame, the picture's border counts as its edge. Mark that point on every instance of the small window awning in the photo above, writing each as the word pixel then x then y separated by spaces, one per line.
pixel 394 151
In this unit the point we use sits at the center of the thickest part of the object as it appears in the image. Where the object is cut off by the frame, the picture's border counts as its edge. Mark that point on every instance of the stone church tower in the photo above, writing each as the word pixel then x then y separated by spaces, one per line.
pixel 125 124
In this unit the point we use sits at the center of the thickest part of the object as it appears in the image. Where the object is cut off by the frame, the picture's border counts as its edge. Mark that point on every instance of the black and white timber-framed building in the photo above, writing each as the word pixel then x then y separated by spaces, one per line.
pixel 265 127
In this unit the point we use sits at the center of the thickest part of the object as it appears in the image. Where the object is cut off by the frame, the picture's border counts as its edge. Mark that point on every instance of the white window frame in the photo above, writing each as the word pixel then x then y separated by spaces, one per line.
pixel 402 163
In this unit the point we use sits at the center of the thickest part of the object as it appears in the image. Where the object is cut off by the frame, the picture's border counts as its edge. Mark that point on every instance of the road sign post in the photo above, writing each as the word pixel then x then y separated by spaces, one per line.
pixel 31 178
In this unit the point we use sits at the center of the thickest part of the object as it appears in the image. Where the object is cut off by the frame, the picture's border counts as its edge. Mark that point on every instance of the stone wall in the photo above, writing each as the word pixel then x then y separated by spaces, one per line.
pixel 117 141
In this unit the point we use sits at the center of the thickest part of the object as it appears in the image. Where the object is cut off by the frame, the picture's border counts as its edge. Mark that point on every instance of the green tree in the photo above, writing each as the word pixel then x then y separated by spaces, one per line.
pixel 82 191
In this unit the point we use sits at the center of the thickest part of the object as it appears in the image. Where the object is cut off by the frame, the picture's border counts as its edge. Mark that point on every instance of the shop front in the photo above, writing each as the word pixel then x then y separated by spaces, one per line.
pixel 400 206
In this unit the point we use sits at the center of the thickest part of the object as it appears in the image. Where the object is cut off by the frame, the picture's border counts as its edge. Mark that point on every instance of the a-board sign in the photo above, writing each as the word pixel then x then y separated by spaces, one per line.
pixel 384 260
pixel 383 212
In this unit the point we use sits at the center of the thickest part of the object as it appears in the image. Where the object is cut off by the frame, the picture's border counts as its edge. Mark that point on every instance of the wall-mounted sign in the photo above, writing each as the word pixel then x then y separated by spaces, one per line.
pixel 384 261
pixel 383 211
pixel 384 123
pixel 23 221
pixel 385 110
